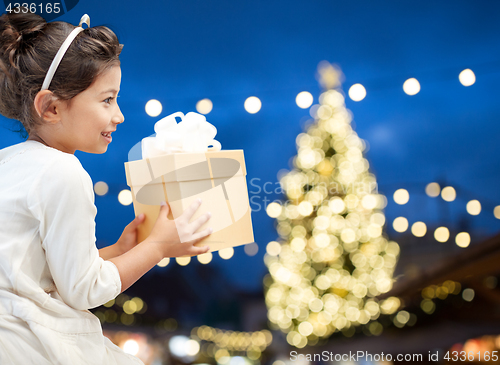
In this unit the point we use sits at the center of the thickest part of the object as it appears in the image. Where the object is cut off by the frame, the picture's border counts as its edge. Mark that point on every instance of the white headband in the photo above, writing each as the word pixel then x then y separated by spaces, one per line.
pixel 60 54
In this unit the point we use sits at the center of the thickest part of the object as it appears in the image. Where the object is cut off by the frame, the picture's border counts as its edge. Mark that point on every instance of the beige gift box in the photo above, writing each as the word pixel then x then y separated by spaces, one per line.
pixel 218 178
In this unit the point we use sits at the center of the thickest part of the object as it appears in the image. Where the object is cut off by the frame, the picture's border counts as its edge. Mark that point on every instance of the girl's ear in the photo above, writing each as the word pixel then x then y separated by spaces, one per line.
pixel 45 106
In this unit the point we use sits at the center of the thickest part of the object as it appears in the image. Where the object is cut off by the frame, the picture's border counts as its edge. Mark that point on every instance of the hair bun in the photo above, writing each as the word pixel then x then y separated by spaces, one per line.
pixel 16 29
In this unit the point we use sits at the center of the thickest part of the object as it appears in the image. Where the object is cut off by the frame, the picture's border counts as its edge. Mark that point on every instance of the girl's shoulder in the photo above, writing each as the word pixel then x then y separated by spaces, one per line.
pixel 33 159
pixel 34 150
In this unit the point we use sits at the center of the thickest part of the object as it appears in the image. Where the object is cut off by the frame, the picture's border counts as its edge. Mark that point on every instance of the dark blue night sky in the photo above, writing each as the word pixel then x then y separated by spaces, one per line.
pixel 182 51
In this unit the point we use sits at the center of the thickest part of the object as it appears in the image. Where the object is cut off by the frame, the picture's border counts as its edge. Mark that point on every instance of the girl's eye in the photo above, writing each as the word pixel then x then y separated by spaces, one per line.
pixel 108 100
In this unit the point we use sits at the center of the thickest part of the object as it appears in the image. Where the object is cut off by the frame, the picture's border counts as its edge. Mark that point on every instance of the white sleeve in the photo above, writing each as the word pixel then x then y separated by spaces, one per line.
pixel 62 199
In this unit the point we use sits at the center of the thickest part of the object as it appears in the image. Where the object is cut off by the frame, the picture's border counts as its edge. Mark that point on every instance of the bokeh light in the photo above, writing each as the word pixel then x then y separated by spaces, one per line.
pixel 183 261
pixel 205 258
pixel 448 193
pixel 411 86
pixel 273 209
pixel 442 234
pixel 402 317
pixel 252 104
pixel 304 99
pixel 125 197
pixel 226 253
pixel 428 306
pixel 101 188
pixel 462 239
pixel 468 294
pixel 401 196
pixel 337 205
pixel 357 92
pixel 273 248
pixel 419 229
pixel 400 224
pixel 369 201
pixel 164 262
pixel 467 77
pixel 192 347
pixel 251 249
pixel 204 106
pixel 131 347
pixel 474 207
pixel 433 189
pixel 153 108
pixel 496 212
pixel 178 345
pixel 130 307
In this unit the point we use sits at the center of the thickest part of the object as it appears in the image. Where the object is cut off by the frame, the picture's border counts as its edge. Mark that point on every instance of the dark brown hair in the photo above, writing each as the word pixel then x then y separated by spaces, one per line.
pixel 28 44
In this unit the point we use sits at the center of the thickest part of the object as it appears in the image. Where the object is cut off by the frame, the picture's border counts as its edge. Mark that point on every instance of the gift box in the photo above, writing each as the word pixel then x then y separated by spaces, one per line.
pixel 218 178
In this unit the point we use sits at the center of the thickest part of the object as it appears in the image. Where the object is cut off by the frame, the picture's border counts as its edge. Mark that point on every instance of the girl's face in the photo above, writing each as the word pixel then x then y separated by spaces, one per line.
pixel 87 121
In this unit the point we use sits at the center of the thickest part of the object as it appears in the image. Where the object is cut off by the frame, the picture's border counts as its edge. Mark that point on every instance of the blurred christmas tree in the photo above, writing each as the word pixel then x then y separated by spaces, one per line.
pixel 332 258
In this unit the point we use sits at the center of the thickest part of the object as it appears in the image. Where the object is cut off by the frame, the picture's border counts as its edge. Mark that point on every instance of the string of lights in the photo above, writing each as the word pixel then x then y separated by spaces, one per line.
pixel 356 92
pixel 441 234
pixel 207 341
pixel 395 307
pixel 221 344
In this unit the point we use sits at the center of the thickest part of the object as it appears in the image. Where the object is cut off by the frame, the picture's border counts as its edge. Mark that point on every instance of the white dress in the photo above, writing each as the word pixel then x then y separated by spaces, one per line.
pixel 50 269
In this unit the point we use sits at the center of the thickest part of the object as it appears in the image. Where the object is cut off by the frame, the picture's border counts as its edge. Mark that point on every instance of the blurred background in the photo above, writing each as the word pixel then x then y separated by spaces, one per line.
pixel 398 95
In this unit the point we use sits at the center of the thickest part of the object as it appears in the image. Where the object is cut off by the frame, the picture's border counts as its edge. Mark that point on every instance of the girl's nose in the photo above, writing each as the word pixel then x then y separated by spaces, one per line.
pixel 118 118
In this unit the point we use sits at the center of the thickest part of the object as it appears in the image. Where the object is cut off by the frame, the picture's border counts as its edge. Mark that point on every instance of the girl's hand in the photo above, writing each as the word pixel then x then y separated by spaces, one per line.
pixel 177 237
pixel 128 239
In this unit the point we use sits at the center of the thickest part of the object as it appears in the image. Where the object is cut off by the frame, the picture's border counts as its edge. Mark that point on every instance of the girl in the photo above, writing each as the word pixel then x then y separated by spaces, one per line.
pixel 61 83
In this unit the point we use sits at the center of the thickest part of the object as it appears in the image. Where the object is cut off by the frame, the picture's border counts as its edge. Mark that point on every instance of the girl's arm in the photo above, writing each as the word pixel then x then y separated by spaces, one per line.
pixel 169 238
pixel 109 252
pixel 66 212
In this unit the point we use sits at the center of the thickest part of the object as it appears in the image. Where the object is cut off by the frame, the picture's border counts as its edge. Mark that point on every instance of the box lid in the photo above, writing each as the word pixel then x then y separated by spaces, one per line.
pixel 186 167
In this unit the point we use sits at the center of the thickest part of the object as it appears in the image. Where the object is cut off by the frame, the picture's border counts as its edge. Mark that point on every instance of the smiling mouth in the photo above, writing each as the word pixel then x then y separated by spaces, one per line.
pixel 107 136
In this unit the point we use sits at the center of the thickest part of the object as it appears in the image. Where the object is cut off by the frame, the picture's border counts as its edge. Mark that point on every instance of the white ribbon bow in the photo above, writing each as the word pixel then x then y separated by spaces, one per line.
pixel 192 134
